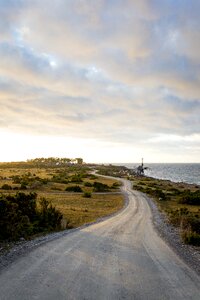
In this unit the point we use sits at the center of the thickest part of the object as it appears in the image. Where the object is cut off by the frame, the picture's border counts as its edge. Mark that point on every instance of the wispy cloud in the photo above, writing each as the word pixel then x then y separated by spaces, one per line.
pixel 117 71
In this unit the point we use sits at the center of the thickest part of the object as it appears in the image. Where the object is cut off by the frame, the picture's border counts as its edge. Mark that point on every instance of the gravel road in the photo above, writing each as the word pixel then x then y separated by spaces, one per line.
pixel 120 258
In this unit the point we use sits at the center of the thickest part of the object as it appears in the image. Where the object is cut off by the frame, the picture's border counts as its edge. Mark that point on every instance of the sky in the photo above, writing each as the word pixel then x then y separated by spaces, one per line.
pixel 105 80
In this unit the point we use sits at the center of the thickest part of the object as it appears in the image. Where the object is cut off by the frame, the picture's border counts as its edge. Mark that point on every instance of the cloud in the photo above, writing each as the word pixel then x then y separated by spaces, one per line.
pixel 118 71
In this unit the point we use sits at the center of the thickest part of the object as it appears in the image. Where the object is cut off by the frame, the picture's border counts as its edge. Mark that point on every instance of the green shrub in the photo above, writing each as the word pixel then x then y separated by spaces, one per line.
pixel 189 224
pixel 141 183
pixel 74 188
pixel 23 186
pixel 93 177
pixel 100 187
pixel 175 191
pixel 176 216
pixel 49 217
pixel 16 179
pixel 191 221
pixel 159 194
pixel 141 189
pixel 148 190
pixel 87 195
pixel 6 187
pixel 76 178
pixel 115 185
pixel 190 237
pixel 59 179
pixel 20 216
pixel 191 198
pixel 88 184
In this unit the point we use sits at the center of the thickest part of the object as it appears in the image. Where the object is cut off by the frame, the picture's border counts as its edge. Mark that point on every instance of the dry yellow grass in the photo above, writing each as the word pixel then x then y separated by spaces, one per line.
pixel 78 210
pixel 6 173
pixel 105 180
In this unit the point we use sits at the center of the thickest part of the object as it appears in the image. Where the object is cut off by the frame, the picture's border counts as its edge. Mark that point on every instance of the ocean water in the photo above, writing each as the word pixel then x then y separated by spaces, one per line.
pixel 179 172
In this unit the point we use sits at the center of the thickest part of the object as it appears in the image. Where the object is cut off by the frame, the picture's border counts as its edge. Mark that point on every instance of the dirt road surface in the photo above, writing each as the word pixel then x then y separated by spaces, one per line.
pixel 119 258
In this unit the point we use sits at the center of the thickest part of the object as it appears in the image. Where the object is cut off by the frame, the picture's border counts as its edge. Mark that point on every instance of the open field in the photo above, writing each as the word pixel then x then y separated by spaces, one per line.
pixel 50 179
pixel 79 195
pixel 78 210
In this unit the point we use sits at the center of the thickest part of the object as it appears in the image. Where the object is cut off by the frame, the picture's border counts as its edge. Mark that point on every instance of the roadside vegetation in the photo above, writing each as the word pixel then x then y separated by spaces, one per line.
pixel 43 195
pixel 180 202
pixel 22 216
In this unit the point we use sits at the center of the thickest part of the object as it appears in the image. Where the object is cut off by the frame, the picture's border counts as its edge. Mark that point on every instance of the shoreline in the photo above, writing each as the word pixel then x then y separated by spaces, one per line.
pixel 176 179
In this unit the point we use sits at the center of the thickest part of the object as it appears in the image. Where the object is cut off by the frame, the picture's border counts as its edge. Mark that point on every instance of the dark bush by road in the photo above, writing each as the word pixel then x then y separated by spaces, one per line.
pixel 21 217
pixel 74 188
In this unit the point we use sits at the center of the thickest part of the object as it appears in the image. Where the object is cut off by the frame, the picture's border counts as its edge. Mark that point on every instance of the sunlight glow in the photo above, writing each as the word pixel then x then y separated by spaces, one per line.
pixel 20 147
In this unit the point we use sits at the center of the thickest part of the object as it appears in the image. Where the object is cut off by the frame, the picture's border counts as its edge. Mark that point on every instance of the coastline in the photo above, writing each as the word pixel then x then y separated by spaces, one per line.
pixel 175 172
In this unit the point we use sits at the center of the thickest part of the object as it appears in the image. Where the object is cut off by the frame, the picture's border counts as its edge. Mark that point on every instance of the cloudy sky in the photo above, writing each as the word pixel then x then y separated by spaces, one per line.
pixel 106 80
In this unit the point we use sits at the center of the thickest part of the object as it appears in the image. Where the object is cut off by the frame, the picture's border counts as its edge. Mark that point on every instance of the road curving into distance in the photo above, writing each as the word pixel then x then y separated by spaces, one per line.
pixel 121 257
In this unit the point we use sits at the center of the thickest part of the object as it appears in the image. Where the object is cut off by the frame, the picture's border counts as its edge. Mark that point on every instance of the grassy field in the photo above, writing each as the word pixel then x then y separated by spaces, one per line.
pixel 50 183
pixel 78 210
pixel 56 179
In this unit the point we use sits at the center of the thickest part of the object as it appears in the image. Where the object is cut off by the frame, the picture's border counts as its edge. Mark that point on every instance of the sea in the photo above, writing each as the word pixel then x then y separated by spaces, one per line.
pixel 177 172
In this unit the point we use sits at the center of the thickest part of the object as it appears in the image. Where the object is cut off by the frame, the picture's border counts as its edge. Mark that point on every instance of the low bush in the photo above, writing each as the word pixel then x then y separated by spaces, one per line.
pixel 23 186
pixel 87 195
pixel 76 178
pixel 21 217
pixel 88 184
pixel 115 185
pixel 28 179
pixel 59 179
pixel 190 237
pixel 49 218
pixel 191 198
pixel 159 194
pixel 189 224
pixel 93 177
pixel 175 216
pixel 100 187
pixel 6 187
pixel 74 188
pixel 175 191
